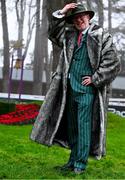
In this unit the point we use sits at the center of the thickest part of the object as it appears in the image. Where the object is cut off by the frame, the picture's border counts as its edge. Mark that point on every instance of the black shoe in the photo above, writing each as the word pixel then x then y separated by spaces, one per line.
pixel 78 171
pixel 67 166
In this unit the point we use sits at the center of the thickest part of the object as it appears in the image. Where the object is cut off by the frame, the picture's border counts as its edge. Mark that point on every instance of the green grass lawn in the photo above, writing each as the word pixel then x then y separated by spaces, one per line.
pixel 20 158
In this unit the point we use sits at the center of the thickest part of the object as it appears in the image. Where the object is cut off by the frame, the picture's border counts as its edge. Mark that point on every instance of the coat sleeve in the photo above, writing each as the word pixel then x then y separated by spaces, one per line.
pixel 109 63
pixel 56 30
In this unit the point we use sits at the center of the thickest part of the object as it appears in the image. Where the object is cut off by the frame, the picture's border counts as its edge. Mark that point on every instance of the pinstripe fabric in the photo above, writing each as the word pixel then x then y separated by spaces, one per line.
pixel 79 112
pixel 80 67
pixel 79 107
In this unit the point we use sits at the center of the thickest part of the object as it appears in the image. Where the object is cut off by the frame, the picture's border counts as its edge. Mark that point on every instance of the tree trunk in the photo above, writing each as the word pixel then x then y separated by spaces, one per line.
pixel 37 73
pixel 44 50
pixel 20 6
pixel 31 24
pixel 100 12
pixel 6 46
pixel 89 5
pixel 20 13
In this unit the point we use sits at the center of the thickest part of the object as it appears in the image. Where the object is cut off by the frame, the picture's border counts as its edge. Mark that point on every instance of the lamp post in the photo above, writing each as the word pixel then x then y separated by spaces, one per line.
pixel 19 64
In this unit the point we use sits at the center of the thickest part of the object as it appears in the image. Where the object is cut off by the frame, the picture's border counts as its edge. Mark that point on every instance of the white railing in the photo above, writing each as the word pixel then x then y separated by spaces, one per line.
pixel 23 96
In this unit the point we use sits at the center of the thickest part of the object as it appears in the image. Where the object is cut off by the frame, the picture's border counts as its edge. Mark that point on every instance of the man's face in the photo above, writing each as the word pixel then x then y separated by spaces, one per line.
pixel 81 21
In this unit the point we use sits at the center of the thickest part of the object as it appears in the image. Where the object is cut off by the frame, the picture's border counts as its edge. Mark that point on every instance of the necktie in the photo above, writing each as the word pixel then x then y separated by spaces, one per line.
pixel 79 38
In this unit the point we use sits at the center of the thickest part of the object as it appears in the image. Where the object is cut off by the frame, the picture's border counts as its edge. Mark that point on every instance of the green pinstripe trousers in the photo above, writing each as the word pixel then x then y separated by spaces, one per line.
pixel 79 115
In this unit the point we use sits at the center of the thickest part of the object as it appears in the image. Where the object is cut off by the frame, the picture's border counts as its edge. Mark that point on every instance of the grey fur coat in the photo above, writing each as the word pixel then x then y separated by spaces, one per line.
pixel 50 125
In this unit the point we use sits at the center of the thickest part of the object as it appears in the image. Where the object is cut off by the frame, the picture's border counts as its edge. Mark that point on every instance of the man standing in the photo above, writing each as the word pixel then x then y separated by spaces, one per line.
pixel 77 100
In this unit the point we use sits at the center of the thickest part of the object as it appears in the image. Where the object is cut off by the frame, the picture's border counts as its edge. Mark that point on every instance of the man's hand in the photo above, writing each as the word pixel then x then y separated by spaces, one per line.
pixel 86 80
pixel 68 7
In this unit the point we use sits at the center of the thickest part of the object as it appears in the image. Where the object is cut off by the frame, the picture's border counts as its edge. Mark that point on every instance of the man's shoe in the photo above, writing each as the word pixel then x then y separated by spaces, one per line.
pixel 78 171
pixel 67 166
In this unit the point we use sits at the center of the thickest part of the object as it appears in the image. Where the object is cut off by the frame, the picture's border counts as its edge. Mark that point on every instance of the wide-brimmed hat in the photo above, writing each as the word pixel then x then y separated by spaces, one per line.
pixel 78 10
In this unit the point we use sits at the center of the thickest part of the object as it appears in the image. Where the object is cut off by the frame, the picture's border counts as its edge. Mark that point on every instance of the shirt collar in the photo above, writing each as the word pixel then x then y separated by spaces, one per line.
pixel 84 31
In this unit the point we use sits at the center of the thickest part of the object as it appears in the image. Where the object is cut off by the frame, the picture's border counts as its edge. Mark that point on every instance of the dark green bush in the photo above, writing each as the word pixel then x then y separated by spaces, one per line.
pixel 6 107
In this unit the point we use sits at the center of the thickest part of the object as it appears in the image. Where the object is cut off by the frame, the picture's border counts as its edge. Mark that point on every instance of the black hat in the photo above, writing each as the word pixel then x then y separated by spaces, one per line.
pixel 78 10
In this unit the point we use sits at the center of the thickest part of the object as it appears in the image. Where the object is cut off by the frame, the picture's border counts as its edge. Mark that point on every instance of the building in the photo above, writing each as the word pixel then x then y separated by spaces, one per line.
pixel 118 85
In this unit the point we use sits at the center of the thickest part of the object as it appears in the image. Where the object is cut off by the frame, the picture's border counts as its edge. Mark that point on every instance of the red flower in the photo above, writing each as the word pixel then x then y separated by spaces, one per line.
pixel 24 114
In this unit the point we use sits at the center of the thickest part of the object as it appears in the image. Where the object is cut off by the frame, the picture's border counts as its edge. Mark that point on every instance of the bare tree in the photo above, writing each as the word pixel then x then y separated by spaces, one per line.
pixel 44 38
pixel 6 46
pixel 37 73
pixel 20 6
pixel 31 24
pixel 100 12
pixel 89 4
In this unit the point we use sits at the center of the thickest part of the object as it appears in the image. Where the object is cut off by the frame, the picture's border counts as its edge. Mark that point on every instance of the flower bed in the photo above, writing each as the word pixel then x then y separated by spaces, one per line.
pixel 24 114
